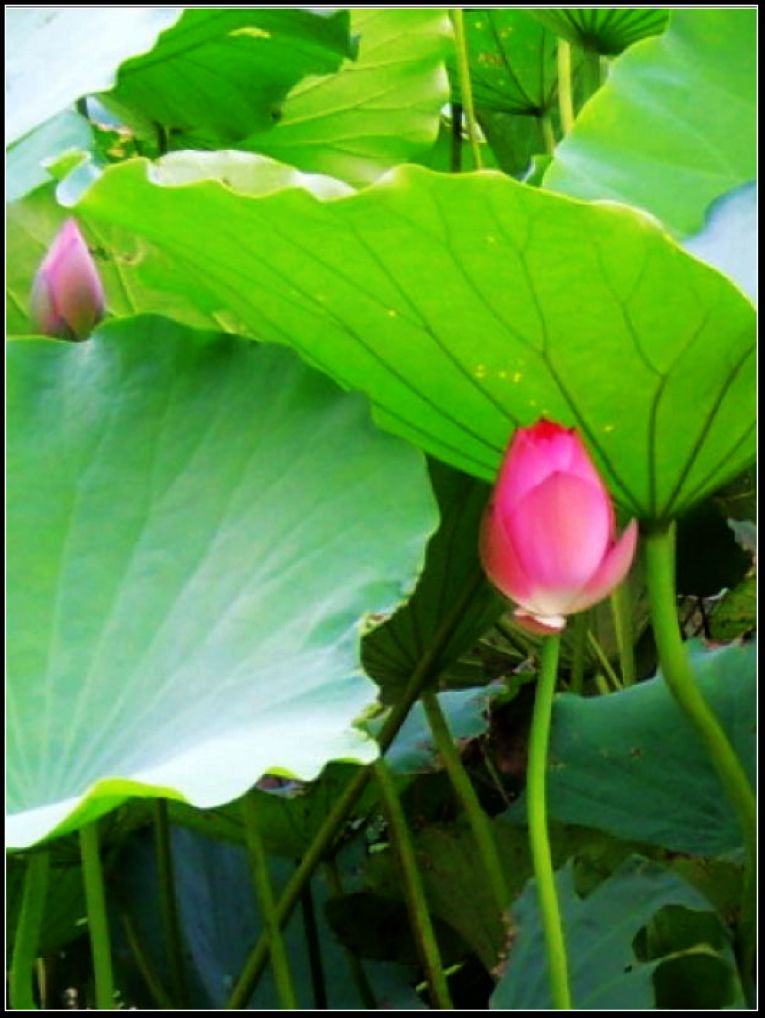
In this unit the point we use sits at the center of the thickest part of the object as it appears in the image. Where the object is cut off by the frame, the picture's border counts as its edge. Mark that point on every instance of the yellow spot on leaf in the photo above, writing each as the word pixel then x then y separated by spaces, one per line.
pixel 517 376
pixel 480 371
pixel 252 31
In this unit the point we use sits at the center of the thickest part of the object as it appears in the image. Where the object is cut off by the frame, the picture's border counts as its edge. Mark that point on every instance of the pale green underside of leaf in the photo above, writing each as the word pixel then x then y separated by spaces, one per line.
pixel 190 561
pixel 673 128
pixel 466 305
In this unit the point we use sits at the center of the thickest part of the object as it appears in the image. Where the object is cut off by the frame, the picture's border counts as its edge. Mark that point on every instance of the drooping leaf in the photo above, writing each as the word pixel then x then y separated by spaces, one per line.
pixel 604 971
pixel 378 111
pixel 466 304
pixel 57 54
pixel 673 128
pixel 391 651
pixel 515 139
pixel 608 30
pixel 221 73
pixel 190 561
pixel 632 765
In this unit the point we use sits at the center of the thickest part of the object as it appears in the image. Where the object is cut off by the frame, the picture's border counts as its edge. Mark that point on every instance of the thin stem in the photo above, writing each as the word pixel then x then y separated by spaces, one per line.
pixel 167 902
pixel 414 893
pixel 22 973
pixel 153 982
pixel 601 685
pixel 581 625
pixel 479 822
pixel 565 91
pixel 466 88
pixel 548 134
pixel 427 670
pixel 539 737
pixel 605 664
pixel 318 983
pixel 98 922
pixel 676 669
pixel 455 164
pixel 621 609
pixel 261 880
pixel 358 975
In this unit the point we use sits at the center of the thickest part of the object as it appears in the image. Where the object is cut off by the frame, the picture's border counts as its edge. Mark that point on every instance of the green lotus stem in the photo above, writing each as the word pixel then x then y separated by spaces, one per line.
pixel 605 664
pixel 601 685
pixel 539 839
pixel 548 134
pixel 167 901
pixel 261 880
pixel 455 165
pixel 413 889
pixel 659 547
pixel 580 625
pixel 621 609
pixel 98 922
pixel 565 91
pixel 154 984
pixel 318 983
pixel 426 671
pixel 31 914
pixel 466 88
pixel 463 786
pixel 358 975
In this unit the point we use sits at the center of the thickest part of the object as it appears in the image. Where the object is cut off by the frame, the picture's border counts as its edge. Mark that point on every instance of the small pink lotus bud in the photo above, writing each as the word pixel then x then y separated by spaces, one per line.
pixel 67 296
pixel 548 537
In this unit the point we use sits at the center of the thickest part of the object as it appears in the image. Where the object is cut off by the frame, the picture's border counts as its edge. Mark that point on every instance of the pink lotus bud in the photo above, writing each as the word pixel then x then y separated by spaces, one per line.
pixel 548 537
pixel 67 297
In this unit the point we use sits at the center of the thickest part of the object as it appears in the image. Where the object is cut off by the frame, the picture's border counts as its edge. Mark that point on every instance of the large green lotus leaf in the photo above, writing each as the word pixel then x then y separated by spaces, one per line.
pixel 57 54
pixel 631 764
pixel 57 136
pixel 220 74
pixel 392 651
pixel 673 128
pixel 513 61
pixel 604 971
pixel 197 524
pixel 377 111
pixel 608 30
pixel 467 304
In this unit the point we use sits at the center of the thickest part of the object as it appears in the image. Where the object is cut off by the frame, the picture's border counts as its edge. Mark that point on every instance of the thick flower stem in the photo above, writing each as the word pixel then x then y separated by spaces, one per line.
pixel 419 916
pixel 426 671
pixel 621 609
pixel 565 91
pixel 539 737
pixel 548 134
pixel 261 881
pixel 659 545
pixel 466 88
pixel 98 922
pixel 21 975
pixel 463 786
